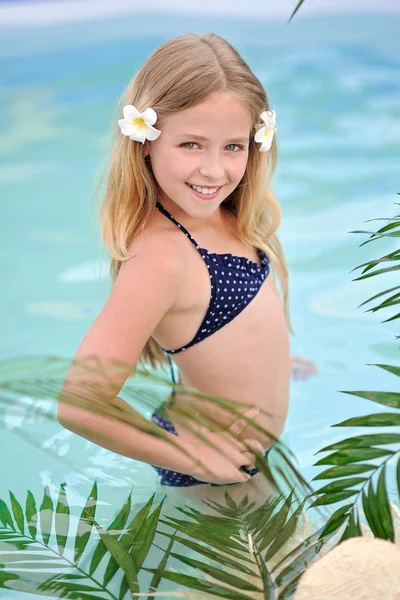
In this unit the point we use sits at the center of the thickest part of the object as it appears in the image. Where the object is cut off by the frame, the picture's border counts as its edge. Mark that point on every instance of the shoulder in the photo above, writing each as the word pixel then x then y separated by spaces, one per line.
pixel 155 253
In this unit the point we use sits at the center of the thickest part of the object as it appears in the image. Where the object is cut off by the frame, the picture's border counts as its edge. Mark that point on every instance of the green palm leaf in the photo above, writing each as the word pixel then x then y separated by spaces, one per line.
pixel 389 399
pixel 345 454
pixel 122 557
pixel 46 516
pixel 31 514
pixel 364 441
pixel 390 368
pixel 352 455
pixel 345 471
pixel 114 529
pixel 285 534
pixel 18 552
pixel 18 513
pixel 194 583
pixel 218 574
pixel 85 524
pixel 222 559
pixel 127 538
pixel 142 542
pixel 353 528
pixel 384 507
pixel 156 579
pixel 374 420
pixel 62 520
pixel 5 515
pixel 237 524
pixel 5 577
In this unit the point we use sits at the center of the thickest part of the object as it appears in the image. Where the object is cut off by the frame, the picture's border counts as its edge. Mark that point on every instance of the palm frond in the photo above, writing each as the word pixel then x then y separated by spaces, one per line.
pixel 353 476
pixel 58 569
pixel 246 540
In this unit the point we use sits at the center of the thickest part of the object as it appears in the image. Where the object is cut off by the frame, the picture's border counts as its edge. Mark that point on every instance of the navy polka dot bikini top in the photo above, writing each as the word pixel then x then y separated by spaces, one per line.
pixel 235 281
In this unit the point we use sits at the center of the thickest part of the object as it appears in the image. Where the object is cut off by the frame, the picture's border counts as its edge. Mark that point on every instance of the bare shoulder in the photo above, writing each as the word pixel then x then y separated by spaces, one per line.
pixel 159 244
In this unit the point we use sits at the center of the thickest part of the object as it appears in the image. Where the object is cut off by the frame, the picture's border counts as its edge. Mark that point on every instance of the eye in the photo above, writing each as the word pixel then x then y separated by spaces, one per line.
pixel 238 145
pixel 186 143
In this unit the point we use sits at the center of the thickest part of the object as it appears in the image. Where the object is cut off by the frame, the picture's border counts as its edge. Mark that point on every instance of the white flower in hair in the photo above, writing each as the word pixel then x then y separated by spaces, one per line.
pixel 137 125
pixel 265 134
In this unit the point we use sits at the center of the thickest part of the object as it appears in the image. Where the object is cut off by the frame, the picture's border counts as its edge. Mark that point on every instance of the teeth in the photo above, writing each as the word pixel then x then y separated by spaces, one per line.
pixel 206 191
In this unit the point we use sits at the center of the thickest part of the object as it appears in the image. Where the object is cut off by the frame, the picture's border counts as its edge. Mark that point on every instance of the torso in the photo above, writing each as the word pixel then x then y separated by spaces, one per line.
pixel 246 360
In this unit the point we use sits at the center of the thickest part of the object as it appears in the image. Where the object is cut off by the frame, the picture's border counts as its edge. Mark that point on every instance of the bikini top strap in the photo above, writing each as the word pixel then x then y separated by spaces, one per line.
pixel 185 231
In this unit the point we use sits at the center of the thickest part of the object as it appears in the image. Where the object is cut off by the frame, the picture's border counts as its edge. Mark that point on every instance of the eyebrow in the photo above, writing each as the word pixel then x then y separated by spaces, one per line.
pixel 204 139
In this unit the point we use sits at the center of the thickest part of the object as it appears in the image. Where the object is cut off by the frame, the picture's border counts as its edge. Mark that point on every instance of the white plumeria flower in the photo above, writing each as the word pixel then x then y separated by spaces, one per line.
pixel 265 134
pixel 137 125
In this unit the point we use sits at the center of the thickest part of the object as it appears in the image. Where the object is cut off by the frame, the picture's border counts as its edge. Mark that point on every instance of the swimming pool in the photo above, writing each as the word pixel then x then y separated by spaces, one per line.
pixel 334 83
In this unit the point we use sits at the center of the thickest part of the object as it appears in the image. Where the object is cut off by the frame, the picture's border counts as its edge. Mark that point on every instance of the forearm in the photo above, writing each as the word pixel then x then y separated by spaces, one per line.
pixel 128 439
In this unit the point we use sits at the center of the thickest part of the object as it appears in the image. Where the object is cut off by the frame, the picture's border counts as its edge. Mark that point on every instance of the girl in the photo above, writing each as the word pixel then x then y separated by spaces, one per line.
pixel 190 221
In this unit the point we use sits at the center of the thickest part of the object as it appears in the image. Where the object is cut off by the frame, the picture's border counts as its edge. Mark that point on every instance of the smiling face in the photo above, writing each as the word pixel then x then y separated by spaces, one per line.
pixel 206 145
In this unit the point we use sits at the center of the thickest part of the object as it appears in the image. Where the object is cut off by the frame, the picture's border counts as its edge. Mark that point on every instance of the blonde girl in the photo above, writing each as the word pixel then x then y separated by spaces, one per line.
pixel 190 221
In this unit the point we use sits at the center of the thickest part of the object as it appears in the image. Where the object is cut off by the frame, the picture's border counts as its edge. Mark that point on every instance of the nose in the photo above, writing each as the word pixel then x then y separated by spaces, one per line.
pixel 212 167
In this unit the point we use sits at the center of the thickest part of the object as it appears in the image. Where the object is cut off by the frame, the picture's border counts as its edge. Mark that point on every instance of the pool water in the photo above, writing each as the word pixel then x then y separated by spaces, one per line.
pixel 334 82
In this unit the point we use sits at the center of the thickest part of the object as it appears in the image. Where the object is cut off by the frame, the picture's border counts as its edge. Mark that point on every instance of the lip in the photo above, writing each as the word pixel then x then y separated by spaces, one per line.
pixel 205 196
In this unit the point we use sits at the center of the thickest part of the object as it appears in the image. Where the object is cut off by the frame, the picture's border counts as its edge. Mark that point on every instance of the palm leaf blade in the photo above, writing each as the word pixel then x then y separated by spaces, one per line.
pixel 345 471
pixel 114 529
pixel 389 399
pixel 62 520
pixel 18 513
pixel 222 559
pixel 5 516
pixel 46 516
pixel 85 524
pixel 122 557
pixel 198 584
pixel 352 455
pixel 127 538
pixel 364 441
pixel 31 514
pixel 336 497
pixel 286 533
pixel 339 486
pixel 353 528
pixel 384 507
pixel 222 576
pixel 375 420
pixel 156 579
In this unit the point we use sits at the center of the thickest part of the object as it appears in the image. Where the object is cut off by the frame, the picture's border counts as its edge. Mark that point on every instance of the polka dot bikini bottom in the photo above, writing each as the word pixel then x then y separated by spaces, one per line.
pixel 172 478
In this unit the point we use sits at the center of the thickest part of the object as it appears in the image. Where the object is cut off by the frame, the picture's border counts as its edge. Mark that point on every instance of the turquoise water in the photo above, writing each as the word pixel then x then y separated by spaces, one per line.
pixel 335 85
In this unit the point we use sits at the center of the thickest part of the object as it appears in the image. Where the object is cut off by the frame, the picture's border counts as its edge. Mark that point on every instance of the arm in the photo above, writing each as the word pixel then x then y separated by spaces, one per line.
pixel 146 288
pixel 117 435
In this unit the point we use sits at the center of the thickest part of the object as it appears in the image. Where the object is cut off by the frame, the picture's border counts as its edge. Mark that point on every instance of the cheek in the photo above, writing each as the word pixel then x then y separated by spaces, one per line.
pixel 173 165
pixel 239 169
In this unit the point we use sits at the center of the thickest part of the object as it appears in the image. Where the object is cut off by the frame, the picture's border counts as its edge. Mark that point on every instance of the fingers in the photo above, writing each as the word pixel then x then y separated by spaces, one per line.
pixel 240 424
pixel 254 446
pixel 249 460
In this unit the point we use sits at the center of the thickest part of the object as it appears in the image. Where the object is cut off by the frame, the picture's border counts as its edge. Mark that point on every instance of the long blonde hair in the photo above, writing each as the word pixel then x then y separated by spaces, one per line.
pixel 177 75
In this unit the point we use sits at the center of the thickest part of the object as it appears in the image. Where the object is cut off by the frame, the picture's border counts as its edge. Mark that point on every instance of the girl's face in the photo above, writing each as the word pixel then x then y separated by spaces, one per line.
pixel 206 145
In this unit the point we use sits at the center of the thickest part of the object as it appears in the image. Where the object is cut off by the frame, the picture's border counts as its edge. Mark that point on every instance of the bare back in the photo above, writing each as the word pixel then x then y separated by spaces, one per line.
pixel 249 358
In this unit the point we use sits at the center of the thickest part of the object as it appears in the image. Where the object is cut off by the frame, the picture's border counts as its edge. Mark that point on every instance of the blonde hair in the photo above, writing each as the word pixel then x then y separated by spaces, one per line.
pixel 177 75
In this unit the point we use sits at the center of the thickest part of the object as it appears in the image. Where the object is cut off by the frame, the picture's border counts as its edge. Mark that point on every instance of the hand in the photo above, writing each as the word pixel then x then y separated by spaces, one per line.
pixel 222 464
pixel 302 368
